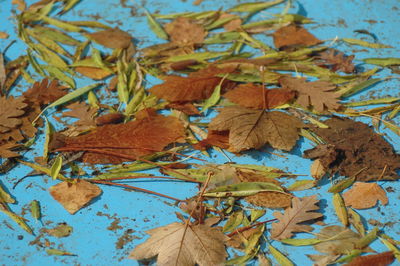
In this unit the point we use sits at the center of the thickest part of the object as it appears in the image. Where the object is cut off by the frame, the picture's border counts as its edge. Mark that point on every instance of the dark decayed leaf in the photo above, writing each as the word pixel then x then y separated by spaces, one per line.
pixel 355 149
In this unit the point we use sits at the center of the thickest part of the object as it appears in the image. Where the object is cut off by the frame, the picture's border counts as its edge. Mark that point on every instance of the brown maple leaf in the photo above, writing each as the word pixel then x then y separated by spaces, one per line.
pixel 293 35
pixel 318 94
pixel 197 86
pixel 250 129
pixel 355 149
pixel 214 138
pixel 380 259
pixel 176 244
pixel 112 38
pixel 302 210
pixel 126 142
pixel 43 92
pixel 74 196
pixel 185 31
pixel 255 96
pixel 10 110
pixel 365 195
pixel 336 61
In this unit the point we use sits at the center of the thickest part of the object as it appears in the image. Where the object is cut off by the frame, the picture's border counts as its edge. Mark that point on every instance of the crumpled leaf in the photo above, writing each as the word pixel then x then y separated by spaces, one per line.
pixel 353 148
pixel 74 196
pixel 293 35
pixel 43 92
pixel 197 86
pixel 150 132
pixel 319 94
pixel 112 38
pixel 336 61
pixel 365 195
pixel 337 240
pixel 302 210
pixel 255 96
pixel 184 31
pixel 200 245
pixel 255 128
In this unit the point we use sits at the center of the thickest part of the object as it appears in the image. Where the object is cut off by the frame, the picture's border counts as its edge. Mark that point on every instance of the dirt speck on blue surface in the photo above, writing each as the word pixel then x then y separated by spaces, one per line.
pixel 126 238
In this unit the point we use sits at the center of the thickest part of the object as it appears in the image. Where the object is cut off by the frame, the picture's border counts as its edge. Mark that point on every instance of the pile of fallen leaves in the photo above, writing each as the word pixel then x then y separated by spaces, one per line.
pixel 292 86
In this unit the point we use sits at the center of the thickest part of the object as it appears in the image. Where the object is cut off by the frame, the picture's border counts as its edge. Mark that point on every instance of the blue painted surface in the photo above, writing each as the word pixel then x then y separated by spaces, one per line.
pixel 91 240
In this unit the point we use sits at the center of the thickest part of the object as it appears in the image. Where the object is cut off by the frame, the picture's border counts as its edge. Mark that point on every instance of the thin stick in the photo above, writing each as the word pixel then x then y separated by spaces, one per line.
pixel 134 188
pixel 146 176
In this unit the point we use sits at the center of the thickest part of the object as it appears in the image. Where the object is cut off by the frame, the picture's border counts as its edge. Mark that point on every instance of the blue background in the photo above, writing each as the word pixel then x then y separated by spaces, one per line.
pixel 91 240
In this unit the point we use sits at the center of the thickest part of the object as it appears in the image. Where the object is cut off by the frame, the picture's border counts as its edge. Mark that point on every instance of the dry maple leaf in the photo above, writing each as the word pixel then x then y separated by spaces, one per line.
pixel 10 110
pixel 336 61
pixel 352 147
pixel 43 92
pixel 112 38
pixel 255 96
pixel 176 244
pixel 302 210
pixel 74 196
pixel 319 94
pixel 197 86
pixel 185 31
pixel 254 128
pixel 380 259
pixel 125 142
pixel 293 35
pixel 365 195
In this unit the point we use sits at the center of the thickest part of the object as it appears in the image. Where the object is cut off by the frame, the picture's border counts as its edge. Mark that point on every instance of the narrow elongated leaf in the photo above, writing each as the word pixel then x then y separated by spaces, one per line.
pixel 365 43
pixel 254 7
pixel 389 61
pixel 300 242
pixel 56 167
pixel 242 189
pixel 340 209
pixel 279 257
pixel 156 27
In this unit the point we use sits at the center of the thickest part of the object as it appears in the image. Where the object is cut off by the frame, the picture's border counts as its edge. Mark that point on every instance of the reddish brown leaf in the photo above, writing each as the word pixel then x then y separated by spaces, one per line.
pixel 254 128
pixel 365 195
pixel 112 118
pixel 184 31
pixel 214 138
pixel 126 142
pixel 186 108
pixel 74 196
pixel 336 61
pixel 319 94
pixel 43 93
pixel 197 86
pixel 293 35
pixel 381 259
pixel 255 96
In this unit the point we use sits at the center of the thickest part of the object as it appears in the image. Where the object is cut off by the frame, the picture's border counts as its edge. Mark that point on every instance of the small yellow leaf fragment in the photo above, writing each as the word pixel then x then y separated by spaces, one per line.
pixel 3 35
pixel 317 169
pixel 74 196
